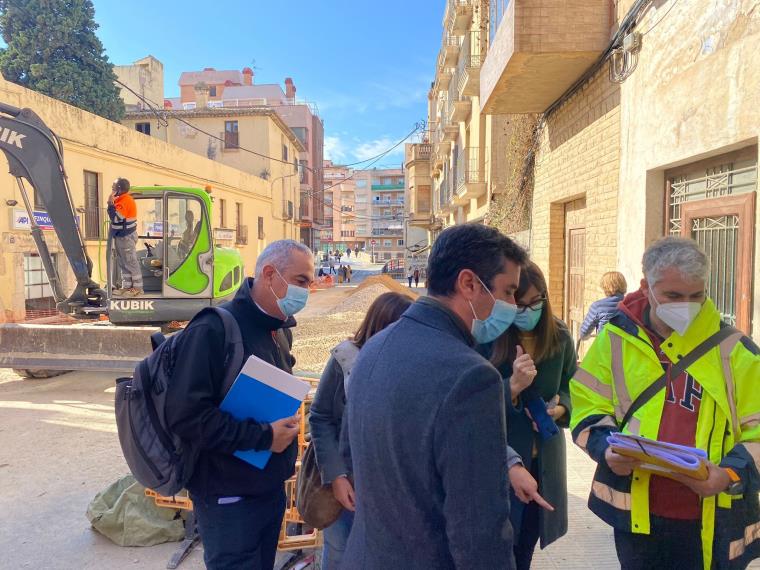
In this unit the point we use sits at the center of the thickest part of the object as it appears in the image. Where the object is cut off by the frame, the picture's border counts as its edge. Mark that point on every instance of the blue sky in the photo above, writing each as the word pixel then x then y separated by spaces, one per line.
pixel 367 65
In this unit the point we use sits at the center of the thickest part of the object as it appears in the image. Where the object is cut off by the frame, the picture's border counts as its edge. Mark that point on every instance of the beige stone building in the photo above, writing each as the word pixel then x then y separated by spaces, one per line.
pixel 588 129
pixel 97 151
pixel 417 201
pixel 461 152
pixel 465 145
pixel 648 118
pixel 145 81
pixel 224 115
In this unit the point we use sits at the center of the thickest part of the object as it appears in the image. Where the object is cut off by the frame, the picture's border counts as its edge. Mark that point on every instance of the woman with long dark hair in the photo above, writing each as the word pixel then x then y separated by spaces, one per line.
pixel 536 357
pixel 327 414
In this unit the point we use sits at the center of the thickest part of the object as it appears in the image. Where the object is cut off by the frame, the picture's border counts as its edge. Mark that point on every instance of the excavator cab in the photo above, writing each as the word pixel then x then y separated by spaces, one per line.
pixel 183 271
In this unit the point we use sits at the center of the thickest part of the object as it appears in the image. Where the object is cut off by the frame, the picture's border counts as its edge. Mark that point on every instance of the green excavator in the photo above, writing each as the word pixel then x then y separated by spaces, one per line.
pixel 183 269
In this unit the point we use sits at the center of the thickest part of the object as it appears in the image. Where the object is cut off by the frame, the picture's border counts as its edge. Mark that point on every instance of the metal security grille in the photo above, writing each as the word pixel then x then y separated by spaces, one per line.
pixel 720 233
pixel 719 237
pixel 719 181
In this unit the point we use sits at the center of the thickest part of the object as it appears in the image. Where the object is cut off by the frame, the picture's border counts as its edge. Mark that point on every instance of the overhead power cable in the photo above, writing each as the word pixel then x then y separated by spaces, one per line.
pixel 161 116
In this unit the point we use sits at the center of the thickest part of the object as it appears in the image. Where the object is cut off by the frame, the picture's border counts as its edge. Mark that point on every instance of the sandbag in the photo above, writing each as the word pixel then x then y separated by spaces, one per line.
pixel 125 515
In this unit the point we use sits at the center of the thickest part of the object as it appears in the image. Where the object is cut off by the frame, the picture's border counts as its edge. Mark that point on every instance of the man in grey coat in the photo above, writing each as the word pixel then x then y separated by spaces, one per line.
pixel 426 419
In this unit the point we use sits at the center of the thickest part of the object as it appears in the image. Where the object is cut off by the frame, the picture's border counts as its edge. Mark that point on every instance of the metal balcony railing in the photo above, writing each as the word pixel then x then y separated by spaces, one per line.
pixel 389 202
pixel 387 231
pixel 468 68
pixel 452 41
pixel 456 14
pixel 469 168
pixel 444 193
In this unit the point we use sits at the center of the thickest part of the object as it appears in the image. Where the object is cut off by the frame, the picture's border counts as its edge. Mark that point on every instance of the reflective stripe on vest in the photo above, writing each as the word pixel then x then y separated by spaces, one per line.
pixel 726 347
pixel 617 499
pixel 582 439
pixel 621 388
pixel 737 547
pixel 750 421
pixel 593 383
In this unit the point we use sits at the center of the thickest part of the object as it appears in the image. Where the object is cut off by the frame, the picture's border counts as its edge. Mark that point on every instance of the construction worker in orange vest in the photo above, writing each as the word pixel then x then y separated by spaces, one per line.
pixel 122 211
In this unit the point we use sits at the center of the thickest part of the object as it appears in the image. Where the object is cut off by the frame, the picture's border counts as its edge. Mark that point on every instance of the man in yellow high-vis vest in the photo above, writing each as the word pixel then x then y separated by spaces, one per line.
pixel 713 405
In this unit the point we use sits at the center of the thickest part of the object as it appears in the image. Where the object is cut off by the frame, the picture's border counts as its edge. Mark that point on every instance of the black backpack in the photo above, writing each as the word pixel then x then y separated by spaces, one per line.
pixel 159 459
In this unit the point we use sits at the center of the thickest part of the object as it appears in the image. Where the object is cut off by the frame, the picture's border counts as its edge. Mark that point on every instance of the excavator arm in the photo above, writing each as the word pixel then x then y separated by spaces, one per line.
pixel 35 154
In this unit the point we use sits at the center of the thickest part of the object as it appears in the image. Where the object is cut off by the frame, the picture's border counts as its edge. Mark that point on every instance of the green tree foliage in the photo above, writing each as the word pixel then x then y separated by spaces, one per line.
pixel 52 48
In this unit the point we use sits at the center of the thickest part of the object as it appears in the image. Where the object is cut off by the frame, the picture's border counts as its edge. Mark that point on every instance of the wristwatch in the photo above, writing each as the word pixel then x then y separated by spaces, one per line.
pixel 735 487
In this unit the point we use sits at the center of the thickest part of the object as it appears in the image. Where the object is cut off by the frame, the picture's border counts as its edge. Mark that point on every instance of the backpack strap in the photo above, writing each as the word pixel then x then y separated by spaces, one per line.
pixel 156 340
pixel 233 348
pixel 676 369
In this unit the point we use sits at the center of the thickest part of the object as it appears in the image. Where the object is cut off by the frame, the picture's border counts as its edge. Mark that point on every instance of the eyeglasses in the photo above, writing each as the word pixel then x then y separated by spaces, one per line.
pixel 535 305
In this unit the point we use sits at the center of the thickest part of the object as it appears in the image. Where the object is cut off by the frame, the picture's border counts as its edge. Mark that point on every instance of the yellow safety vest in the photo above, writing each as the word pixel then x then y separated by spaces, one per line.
pixel 621 364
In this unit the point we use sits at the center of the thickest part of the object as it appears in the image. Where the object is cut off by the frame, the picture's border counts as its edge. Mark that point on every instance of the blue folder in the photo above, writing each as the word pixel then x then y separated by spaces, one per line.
pixel 264 393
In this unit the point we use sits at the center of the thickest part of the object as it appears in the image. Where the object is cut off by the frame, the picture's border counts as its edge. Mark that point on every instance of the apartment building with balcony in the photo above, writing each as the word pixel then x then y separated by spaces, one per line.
pixel 339 209
pixel 386 206
pixel 465 141
pixel 642 131
pixel 226 93
pixel 379 207
pixel 363 204
pixel 418 207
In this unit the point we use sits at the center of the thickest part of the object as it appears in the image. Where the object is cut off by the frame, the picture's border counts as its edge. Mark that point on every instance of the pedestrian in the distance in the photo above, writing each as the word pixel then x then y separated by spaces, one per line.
pixel 122 211
pixel 348 253
pixel 356 251
pixel 331 264
pixel 349 273
pixel 326 417
pixel 601 311
pixel 410 275
pixel 537 359
pixel 416 277
pixel 239 508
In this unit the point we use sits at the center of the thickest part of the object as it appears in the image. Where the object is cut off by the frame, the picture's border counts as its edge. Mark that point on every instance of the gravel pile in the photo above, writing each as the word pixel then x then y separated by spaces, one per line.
pixel 362 299
pixel 315 336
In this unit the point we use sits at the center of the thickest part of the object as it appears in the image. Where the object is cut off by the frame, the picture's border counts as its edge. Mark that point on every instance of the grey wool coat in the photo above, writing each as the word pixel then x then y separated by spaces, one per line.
pixel 425 423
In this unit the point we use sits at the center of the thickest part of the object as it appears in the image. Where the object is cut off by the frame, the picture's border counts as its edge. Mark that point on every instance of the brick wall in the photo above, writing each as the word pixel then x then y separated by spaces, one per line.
pixel 578 156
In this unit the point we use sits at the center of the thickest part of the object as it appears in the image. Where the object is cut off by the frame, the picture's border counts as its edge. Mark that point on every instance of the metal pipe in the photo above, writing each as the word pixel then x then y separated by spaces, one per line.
pixel 47 260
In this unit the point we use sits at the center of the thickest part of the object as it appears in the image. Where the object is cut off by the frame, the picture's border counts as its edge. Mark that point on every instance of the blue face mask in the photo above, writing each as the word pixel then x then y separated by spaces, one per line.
pixel 528 319
pixel 294 300
pixel 492 327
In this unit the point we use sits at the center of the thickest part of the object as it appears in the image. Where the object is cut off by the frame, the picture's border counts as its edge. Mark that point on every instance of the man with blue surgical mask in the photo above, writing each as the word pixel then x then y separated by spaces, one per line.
pixel 666 368
pixel 238 507
pixel 425 421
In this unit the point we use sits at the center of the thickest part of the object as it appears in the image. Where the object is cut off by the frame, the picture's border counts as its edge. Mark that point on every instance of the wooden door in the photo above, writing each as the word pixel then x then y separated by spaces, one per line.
pixel 575 279
pixel 724 227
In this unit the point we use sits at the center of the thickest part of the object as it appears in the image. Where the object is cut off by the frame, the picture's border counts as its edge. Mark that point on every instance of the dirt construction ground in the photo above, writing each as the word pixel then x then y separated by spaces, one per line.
pixel 58 448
